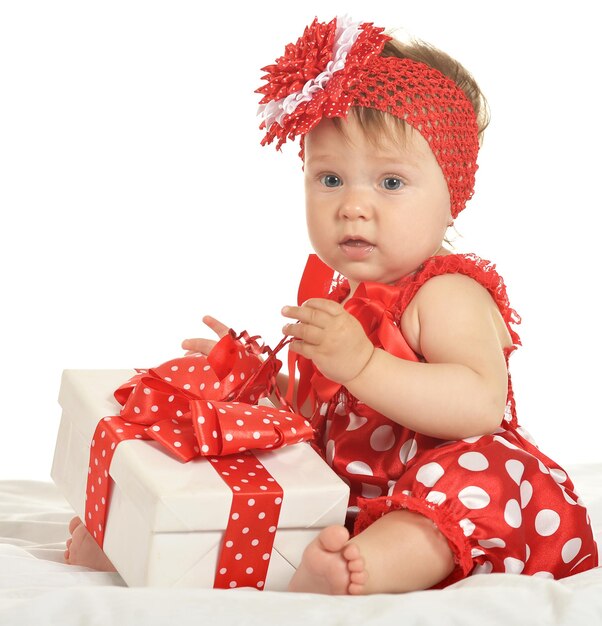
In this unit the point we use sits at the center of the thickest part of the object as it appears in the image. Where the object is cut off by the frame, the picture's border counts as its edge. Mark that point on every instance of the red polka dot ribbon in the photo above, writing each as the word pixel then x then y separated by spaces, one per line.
pixel 202 406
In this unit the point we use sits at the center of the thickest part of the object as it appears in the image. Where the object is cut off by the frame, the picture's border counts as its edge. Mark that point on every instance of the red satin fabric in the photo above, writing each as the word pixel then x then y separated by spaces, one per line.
pixel 502 504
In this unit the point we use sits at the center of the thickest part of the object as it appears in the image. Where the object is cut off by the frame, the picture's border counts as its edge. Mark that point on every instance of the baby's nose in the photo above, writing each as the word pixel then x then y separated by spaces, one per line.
pixel 355 205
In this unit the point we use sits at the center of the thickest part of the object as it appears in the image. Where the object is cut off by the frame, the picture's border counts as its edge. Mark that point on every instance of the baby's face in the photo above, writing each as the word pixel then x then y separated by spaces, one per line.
pixel 373 213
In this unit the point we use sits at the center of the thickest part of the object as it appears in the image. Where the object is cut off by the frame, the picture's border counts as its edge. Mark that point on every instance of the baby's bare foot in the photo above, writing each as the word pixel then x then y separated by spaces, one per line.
pixel 357 569
pixel 325 568
pixel 82 549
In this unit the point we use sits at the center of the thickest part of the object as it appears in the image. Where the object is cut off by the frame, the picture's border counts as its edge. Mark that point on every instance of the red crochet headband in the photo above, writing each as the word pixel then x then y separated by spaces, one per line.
pixel 337 65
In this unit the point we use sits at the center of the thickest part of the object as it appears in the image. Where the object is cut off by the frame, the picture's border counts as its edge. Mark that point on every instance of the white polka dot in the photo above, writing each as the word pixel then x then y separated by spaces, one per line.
pixel 429 474
pixel 356 421
pixel 340 408
pixel 330 452
pixel 229 437
pixel 567 497
pixel 542 467
pixel 473 461
pixel 513 566
pixel 223 570
pixel 495 542
pixel 255 542
pixel 371 491
pixel 485 568
pixel 359 467
pixel 558 475
pixel 383 438
pixel 472 439
pixel 436 497
pixel 515 469
pixel 526 492
pixel 467 527
pixel 249 570
pixel 512 514
pixel 235 516
pixel 544 575
pixel 527 552
pixel 504 442
pixel 476 552
pixel 547 522
pixel 408 451
pixel 251 502
pixel 474 497
pixel 229 544
pixel 232 584
pixel 571 549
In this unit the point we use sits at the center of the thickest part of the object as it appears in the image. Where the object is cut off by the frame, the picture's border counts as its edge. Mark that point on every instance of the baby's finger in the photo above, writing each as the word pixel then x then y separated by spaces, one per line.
pixel 202 346
pixel 323 304
pixel 216 326
pixel 308 334
pixel 307 315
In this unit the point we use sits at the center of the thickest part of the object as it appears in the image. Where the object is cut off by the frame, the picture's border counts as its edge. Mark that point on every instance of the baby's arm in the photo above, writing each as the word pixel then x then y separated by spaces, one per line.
pixel 459 392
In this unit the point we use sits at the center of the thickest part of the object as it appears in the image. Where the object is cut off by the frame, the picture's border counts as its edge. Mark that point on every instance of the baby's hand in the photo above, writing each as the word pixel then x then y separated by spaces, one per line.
pixel 204 346
pixel 330 336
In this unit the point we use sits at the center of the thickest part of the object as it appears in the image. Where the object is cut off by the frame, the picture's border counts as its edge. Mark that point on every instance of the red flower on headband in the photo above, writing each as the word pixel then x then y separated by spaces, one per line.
pixel 312 78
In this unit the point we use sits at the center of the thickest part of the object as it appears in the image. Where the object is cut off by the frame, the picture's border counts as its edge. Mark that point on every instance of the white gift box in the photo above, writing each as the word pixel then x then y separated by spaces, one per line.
pixel 166 518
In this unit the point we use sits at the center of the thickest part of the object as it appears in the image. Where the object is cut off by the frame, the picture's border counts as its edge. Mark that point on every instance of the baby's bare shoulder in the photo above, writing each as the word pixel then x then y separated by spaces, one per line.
pixel 454 302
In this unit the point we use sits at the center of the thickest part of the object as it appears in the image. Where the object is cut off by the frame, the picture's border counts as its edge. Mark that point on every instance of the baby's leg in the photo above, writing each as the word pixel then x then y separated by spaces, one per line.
pixel 83 550
pixel 401 551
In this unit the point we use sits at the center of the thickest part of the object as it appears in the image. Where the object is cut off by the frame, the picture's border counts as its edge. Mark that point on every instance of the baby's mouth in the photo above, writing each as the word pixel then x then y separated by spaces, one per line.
pixel 356 248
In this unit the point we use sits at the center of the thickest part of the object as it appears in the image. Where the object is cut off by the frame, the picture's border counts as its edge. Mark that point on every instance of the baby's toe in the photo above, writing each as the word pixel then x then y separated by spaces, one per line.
pixel 357 565
pixel 74 523
pixel 359 578
pixel 355 590
pixel 351 551
pixel 333 538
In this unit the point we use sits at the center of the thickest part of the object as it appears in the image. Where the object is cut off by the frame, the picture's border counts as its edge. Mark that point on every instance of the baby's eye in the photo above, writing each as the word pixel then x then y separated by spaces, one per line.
pixel 330 180
pixel 391 183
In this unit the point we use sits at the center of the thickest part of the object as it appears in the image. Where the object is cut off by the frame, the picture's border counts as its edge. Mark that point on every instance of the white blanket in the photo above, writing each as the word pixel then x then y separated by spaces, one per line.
pixel 37 587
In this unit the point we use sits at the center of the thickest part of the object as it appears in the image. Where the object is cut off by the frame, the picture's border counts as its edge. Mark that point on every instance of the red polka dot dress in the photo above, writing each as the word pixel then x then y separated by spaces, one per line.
pixel 501 503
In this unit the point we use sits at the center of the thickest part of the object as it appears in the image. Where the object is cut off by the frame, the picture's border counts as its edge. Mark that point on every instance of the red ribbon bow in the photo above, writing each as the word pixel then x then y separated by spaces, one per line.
pixel 200 406
pixel 372 305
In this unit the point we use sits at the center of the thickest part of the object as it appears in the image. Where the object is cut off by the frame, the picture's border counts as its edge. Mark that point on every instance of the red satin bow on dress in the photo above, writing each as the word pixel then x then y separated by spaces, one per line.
pixel 201 406
pixel 372 305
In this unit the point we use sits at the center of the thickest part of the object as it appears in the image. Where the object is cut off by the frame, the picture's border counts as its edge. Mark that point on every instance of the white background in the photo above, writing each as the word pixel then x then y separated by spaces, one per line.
pixel 135 197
